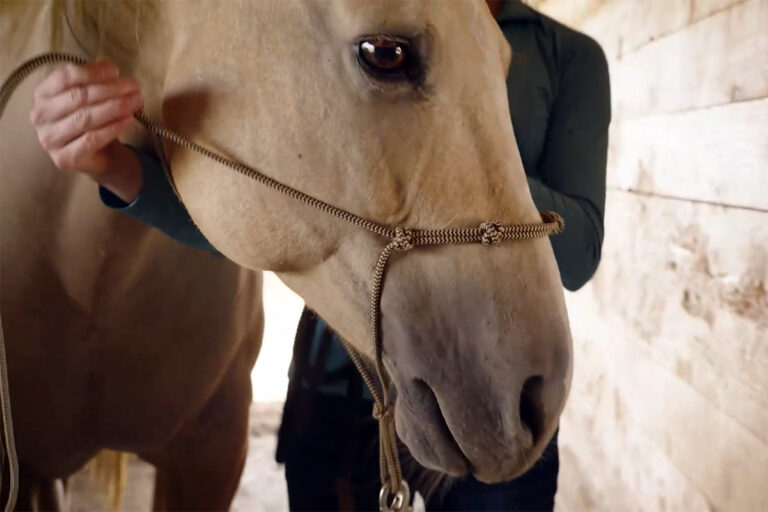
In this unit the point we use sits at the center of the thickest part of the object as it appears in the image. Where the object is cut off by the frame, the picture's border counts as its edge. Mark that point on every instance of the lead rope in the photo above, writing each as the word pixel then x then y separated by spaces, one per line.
pixel 8 446
pixel 395 494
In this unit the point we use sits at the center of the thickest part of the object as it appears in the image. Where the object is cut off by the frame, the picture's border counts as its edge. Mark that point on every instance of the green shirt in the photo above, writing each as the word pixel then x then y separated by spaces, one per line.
pixel 559 101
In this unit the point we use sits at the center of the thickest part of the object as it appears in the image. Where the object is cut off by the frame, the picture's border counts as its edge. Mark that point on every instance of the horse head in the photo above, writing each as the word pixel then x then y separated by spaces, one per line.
pixel 396 111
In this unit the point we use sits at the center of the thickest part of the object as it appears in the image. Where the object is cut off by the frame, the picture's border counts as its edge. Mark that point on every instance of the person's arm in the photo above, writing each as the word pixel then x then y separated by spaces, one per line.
pixel 79 113
pixel 573 163
pixel 156 203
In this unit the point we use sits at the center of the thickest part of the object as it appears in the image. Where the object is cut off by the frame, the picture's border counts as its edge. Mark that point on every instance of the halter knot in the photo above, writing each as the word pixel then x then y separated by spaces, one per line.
pixel 491 232
pixel 556 218
pixel 381 412
pixel 403 240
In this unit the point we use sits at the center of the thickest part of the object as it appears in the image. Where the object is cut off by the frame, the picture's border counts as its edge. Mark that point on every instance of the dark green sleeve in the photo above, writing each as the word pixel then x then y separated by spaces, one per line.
pixel 573 163
pixel 157 204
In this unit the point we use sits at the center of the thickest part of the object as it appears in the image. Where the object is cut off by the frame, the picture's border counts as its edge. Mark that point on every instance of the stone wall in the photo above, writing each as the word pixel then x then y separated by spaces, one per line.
pixel 669 408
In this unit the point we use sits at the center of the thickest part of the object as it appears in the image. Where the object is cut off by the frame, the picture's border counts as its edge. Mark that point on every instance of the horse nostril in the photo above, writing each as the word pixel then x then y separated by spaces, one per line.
pixel 532 407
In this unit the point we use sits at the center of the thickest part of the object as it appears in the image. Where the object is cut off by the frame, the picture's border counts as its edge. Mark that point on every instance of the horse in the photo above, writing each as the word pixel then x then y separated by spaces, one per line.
pixel 396 111
pixel 118 337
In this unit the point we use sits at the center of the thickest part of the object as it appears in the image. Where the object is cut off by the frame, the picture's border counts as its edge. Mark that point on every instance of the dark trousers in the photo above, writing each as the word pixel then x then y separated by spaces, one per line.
pixel 329 444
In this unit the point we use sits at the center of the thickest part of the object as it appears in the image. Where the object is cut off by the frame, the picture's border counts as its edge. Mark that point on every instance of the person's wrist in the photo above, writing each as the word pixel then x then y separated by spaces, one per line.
pixel 122 175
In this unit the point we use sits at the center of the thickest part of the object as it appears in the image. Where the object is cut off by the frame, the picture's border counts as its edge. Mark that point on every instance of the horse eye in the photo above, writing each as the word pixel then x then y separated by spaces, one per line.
pixel 386 57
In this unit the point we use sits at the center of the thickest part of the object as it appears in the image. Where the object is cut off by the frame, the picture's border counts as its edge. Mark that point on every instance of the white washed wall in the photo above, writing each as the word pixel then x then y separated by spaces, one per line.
pixel 669 408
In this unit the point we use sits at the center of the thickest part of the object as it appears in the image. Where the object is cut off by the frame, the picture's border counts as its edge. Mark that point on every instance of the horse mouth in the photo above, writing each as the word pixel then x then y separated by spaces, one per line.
pixel 427 434
pixel 458 448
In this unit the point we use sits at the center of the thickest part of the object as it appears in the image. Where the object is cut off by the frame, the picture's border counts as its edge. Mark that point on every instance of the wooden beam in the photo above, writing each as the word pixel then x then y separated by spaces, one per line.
pixel 608 462
pixel 719 60
pixel 715 155
pixel 657 435
pixel 691 282
pixel 623 26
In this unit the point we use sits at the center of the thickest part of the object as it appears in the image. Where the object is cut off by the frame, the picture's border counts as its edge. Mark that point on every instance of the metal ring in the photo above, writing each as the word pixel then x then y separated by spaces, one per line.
pixel 400 500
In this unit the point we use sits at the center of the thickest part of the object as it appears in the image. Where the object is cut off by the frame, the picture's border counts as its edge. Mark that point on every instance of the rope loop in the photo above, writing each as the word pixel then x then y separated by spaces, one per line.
pixel 403 240
pixel 554 217
pixel 398 501
pixel 491 232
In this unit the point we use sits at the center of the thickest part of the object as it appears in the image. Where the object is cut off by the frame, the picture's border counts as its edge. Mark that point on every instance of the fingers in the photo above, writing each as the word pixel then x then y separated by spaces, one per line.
pixel 91 117
pixel 71 75
pixel 79 110
pixel 56 107
pixel 89 143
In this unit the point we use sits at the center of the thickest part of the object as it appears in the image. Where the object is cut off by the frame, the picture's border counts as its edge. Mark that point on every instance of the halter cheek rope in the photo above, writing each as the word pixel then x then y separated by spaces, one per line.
pixel 395 495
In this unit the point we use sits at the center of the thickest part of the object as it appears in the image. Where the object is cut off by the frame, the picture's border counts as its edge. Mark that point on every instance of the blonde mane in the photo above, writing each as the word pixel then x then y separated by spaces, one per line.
pixel 111 28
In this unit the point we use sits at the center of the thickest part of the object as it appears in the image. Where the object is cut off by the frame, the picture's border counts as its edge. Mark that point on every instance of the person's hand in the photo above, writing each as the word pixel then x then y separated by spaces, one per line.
pixel 79 113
